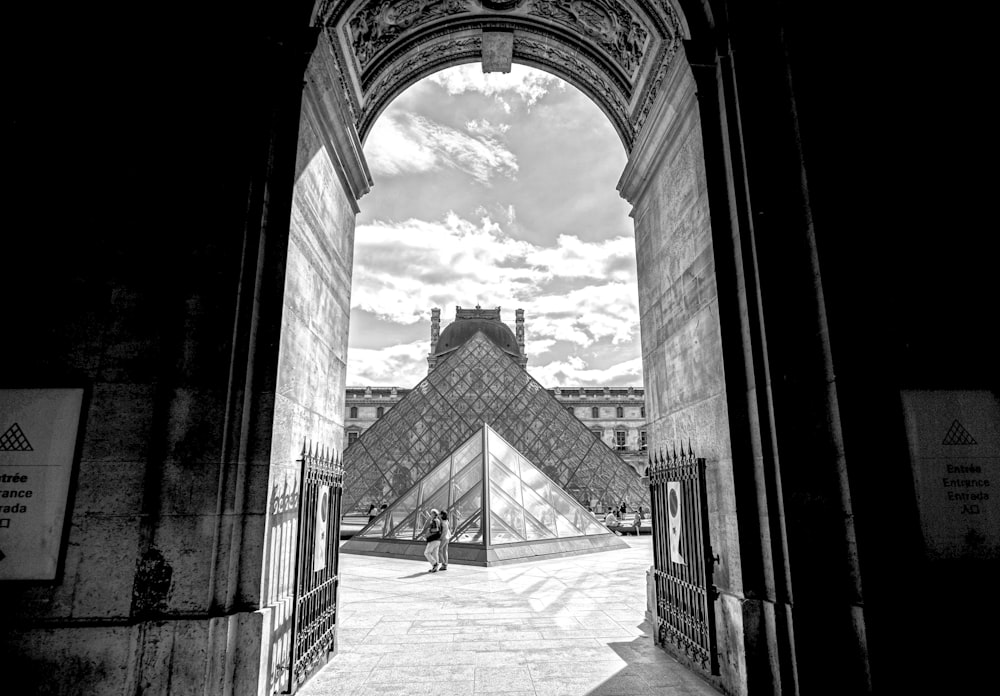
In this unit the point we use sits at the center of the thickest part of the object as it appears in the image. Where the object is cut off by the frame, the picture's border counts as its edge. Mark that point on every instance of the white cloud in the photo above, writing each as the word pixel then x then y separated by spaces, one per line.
pixel 482 126
pixel 574 372
pixel 403 269
pixel 611 259
pixel 528 84
pixel 588 314
pixel 401 364
pixel 403 143
pixel 575 291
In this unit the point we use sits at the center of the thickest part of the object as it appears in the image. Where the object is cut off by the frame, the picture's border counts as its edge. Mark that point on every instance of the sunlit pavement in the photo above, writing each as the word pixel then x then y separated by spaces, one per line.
pixel 565 627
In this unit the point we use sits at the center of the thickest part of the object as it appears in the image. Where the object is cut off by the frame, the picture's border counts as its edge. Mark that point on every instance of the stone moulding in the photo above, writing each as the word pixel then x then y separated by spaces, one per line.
pixel 617 51
pixel 326 102
pixel 652 144
pixel 618 30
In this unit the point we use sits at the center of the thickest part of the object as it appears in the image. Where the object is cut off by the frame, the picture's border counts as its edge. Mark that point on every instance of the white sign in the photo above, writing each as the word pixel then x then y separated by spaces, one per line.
pixel 322 527
pixel 954 439
pixel 38 431
pixel 674 521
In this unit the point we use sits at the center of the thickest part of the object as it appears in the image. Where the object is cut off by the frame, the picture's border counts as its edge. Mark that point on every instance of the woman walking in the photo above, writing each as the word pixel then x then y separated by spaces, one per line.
pixel 433 530
pixel 445 538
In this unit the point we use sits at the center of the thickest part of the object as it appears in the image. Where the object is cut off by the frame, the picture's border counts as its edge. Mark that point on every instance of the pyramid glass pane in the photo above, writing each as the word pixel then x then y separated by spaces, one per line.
pixel 434 481
pixel 471 532
pixel 505 479
pixel 524 505
pixel 536 529
pixel 463 481
pixel 510 513
pixel 501 532
pixel 466 515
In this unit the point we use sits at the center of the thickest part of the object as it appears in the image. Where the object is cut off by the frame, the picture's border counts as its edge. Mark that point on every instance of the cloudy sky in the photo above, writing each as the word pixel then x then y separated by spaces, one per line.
pixel 497 190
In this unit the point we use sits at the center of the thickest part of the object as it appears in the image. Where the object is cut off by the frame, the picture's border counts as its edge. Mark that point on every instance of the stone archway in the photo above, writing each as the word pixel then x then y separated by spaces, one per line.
pixel 617 52
pixel 246 354
pixel 664 93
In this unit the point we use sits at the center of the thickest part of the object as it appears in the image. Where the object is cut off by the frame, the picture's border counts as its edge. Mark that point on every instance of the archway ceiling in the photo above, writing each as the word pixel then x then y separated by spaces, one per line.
pixel 616 51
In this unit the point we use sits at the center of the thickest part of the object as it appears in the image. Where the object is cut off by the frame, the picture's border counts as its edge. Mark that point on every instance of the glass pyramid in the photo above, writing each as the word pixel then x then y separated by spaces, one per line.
pixel 479 383
pixel 501 506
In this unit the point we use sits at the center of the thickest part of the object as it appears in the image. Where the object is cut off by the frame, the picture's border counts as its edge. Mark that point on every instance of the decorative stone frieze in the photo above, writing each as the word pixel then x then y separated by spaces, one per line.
pixel 616 51
pixel 618 31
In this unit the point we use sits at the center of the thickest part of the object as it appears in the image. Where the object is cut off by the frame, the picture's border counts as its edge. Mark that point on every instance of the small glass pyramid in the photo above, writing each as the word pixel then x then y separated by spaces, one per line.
pixel 501 506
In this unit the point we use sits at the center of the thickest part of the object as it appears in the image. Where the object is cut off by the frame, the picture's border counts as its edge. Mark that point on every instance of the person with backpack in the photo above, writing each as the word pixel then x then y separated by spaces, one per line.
pixel 433 531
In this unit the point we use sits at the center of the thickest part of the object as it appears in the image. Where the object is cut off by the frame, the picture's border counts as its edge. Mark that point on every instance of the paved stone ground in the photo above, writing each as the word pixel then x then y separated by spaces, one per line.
pixel 567 627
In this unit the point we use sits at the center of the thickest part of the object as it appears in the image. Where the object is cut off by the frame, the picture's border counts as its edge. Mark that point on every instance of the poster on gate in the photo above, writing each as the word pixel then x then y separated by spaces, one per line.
pixel 674 521
pixel 322 525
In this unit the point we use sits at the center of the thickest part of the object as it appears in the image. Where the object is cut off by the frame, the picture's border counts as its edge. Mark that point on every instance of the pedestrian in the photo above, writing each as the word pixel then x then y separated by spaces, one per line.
pixel 611 522
pixel 445 538
pixel 433 531
pixel 636 521
pixel 623 509
pixel 372 512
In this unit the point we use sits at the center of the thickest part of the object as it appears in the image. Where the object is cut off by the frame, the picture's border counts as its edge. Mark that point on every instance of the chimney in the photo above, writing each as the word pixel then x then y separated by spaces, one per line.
pixel 519 333
pixel 435 334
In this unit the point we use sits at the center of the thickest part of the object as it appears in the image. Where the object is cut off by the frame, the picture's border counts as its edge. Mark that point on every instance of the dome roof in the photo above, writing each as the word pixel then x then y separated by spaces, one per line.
pixel 460 331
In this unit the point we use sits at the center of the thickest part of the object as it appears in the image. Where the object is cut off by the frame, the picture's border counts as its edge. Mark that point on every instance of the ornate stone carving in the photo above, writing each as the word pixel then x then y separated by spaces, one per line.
pixel 378 23
pixel 609 23
pixel 671 46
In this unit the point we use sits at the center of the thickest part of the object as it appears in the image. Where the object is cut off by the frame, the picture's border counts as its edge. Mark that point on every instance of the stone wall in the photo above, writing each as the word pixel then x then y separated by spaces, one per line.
pixel 680 328
pixel 202 360
pixel 312 359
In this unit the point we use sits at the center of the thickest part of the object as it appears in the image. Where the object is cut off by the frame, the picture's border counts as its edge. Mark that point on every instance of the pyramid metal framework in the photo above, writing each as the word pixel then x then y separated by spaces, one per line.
pixel 502 508
pixel 479 383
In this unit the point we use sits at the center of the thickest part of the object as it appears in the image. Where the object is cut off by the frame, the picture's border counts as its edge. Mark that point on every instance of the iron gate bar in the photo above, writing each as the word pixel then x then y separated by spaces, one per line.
pixel 685 595
pixel 314 617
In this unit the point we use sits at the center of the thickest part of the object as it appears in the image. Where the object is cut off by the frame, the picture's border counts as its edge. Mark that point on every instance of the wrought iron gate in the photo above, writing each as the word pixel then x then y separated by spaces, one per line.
pixel 317 560
pixel 682 557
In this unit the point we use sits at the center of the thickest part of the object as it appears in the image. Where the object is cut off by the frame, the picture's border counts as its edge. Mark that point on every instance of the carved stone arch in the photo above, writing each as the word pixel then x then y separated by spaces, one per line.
pixel 615 51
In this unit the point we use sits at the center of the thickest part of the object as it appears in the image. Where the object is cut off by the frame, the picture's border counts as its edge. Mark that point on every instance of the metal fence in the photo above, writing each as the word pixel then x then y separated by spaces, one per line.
pixel 302 561
pixel 314 621
pixel 682 557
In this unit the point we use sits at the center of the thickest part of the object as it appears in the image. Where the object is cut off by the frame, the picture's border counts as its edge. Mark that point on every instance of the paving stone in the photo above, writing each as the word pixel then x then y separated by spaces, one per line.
pixel 544 628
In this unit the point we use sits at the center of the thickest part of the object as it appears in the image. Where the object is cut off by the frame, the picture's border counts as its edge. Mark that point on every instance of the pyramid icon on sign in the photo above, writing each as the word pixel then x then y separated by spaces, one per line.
pixel 958 435
pixel 14 440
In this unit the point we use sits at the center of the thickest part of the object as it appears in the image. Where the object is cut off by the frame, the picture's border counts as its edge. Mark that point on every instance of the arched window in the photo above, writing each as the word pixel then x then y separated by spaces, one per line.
pixel 354 411
pixel 619 412
pixel 620 440
pixel 379 411
pixel 595 412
